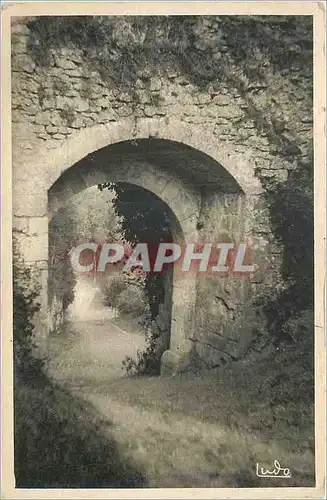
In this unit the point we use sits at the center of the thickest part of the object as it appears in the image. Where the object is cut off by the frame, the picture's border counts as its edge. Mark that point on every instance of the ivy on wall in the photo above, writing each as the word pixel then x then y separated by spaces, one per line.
pixel 241 52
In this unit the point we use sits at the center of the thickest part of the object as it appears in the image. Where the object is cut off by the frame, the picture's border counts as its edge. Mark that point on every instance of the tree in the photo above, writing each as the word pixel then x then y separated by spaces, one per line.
pixel 145 218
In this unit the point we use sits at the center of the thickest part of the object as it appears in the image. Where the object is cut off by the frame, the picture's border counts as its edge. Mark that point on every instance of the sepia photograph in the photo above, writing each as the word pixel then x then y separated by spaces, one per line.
pixel 165 320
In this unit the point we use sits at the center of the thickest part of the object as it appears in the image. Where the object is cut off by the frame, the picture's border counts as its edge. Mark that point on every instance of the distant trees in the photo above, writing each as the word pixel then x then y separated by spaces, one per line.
pixel 88 216
pixel 126 293
pixel 62 234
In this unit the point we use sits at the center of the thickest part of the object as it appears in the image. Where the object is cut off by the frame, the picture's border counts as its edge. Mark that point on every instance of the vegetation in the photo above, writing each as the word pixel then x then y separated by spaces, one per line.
pixel 126 293
pixel 25 306
pixel 59 440
pixel 62 235
pixel 204 48
pixel 87 217
pixel 272 393
pixel 292 215
pixel 144 218
pixel 240 51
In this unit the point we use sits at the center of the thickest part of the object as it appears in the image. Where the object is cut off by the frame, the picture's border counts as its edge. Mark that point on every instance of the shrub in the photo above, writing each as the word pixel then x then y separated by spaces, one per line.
pixel 25 306
pixel 59 440
pixel 126 292
pixel 157 341
pixel 132 301
pixel 113 285
pixel 62 280
pixel 292 215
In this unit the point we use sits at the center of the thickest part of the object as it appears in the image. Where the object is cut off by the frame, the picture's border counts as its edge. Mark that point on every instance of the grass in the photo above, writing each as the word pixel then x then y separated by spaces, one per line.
pixel 210 431
pixel 187 432
pixel 128 323
pixel 183 431
pixel 62 442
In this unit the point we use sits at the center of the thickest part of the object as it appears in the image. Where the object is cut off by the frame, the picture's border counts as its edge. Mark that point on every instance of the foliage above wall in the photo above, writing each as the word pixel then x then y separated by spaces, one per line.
pixel 205 48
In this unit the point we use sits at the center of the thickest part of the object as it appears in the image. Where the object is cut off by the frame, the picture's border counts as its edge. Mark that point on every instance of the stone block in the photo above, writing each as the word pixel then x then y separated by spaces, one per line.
pixel 75 73
pixel 51 129
pixel 64 63
pixel 125 97
pixel 102 102
pixel 204 98
pixel 155 84
pixel 20 224
pixel 221 100
pixel 144 97
pixel 107 115
pixel 58 137
pixel 63 102
pixel 22 62
pixel 169 364
pixel 33 248
pixel 48 103
pixel 77 122
pixel 31 110
pixel 230 112
pixel 150 111
pixel 38 225
pixel 56 119
pixel 43 118
pixel 124 111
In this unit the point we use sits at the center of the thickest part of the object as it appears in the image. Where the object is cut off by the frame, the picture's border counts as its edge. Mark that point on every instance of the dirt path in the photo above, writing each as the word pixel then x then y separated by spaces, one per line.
pixel 180 432
pixel 89 353
pixel 180 440
pixel 90 348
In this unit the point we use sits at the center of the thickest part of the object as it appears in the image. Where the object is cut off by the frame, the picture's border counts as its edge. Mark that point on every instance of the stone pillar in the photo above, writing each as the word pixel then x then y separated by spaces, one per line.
pixel 183 314
pixel 31 235
pixel 183 308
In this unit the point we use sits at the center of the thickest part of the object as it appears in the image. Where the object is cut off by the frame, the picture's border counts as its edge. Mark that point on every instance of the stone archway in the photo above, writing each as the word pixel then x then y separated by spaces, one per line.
pixel 184 203
pixel 175 161
pixel 42 166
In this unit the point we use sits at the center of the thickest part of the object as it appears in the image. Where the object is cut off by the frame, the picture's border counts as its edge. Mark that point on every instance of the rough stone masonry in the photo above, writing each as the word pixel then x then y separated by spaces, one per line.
pixel 198 149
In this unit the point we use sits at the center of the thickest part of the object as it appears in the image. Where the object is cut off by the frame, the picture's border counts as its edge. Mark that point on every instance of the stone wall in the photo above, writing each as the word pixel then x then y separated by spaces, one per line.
pixel 65 111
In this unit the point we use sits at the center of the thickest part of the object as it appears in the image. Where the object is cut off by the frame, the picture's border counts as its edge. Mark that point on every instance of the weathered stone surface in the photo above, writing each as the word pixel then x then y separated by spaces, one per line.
pixel 51 129
pixel 169 364
pixel 33 248
pixel 42 118
pixel 155 84
pixel 221 100
pixel 64 63
pixel 22 62
pixel 204 98
pixel 124 111
pixel 20 224
pixel 38 225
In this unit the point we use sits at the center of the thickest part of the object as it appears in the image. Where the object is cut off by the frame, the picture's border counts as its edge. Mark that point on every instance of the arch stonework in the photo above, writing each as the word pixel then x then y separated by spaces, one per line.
pixel 42 166
pixel 55 175
pixel 184 203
